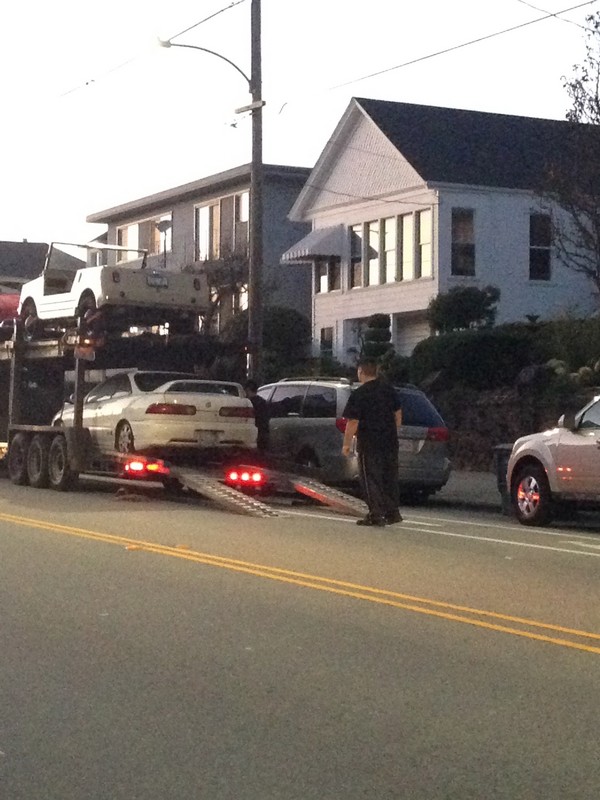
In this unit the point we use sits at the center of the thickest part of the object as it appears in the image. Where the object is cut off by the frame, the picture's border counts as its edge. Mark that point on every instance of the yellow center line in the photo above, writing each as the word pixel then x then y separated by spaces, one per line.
pixel 434 608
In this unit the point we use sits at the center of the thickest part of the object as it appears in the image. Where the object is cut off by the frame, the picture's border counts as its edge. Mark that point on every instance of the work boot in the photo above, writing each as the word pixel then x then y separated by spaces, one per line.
pixel 377 522
pixel 393 518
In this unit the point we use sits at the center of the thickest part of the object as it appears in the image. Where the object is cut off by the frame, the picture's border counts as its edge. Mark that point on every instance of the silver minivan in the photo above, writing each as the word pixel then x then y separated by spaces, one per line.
pixel 307 429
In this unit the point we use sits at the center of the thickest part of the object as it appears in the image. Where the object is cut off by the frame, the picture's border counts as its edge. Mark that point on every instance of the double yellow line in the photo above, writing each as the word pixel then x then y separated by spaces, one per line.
pixel 490 620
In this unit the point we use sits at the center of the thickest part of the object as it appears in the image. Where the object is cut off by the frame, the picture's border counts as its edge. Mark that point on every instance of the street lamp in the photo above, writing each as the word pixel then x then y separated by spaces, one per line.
pixel 255 310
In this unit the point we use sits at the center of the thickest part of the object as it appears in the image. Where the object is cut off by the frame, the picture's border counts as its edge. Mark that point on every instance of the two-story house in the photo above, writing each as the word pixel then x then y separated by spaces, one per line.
pixel 407 201
pixel 203 226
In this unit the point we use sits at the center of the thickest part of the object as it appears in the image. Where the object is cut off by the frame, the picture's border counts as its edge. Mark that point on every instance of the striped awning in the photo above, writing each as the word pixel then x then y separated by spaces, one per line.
pixel 320 243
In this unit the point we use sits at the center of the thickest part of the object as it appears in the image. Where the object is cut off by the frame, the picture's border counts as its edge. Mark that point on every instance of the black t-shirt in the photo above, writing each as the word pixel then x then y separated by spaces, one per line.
pixel 261 413
pixel 374 404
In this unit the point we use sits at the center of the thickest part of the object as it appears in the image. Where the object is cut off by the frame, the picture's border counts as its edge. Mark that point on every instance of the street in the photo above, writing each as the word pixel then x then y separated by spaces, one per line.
pixel 167 650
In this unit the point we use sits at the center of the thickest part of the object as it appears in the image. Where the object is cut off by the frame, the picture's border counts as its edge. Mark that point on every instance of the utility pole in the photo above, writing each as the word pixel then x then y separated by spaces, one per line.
pixel 255 262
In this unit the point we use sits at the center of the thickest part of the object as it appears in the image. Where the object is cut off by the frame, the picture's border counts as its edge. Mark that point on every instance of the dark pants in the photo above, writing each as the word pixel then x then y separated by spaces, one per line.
pixel 378 473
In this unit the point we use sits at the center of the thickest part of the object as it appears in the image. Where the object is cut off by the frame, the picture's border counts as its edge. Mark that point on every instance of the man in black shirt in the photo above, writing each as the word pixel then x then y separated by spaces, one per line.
pixel 261 415
pixel 374 415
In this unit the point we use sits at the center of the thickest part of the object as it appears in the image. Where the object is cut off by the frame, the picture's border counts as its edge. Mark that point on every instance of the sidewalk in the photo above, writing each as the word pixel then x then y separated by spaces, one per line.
pixel 469 490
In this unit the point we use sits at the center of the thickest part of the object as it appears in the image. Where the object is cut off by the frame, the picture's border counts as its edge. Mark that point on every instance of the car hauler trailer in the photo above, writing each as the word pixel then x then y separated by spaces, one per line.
pixel 41 455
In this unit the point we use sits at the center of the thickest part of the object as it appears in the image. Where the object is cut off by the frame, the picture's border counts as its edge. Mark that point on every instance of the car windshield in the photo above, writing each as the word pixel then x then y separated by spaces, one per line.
pixel 72 257
pixel 149 381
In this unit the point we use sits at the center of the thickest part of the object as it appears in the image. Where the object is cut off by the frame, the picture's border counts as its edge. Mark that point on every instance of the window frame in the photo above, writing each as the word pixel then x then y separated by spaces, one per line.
pixel 543 252
pixel 463 261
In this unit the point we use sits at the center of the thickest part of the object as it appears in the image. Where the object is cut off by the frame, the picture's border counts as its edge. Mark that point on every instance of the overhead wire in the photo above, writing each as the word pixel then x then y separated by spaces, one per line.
pixel 142 53
pixel 460 46
pixel 555 14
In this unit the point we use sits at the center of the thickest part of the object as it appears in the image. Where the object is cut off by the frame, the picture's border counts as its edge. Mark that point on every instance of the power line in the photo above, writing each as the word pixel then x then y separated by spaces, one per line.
pixel 195 25
pixel 555 15
pixel 146 50
pixel 459 46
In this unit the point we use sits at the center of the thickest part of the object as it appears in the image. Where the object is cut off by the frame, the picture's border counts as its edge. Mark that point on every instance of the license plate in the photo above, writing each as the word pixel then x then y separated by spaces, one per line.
pixel 207 438
pixel 158 280
pixel 406 446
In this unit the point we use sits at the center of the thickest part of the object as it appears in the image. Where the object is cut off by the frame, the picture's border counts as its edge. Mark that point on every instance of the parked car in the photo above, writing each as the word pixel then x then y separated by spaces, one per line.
pixel 126 292
pixel 140 411
pixel 307 428
pixel 556 467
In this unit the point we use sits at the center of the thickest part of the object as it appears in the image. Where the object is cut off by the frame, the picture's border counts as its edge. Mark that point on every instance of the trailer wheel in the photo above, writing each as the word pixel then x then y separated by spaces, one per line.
pixel 124 441
pixel 17 459
pixel 60 475
pixel 37 462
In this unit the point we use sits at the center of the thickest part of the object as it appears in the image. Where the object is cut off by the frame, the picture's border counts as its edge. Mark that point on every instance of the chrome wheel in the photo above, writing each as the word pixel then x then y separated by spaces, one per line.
pixel 531 497
pixel 124 442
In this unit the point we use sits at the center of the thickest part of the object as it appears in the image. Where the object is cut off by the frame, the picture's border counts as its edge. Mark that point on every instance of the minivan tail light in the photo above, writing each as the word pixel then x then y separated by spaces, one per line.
pixel 437 434
pixel 178 409
pixel 236 411
pixel 341 423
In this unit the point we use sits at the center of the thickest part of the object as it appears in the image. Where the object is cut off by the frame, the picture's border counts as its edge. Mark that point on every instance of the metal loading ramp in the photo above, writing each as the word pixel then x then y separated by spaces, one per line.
pixel 340 501
pixel 225 496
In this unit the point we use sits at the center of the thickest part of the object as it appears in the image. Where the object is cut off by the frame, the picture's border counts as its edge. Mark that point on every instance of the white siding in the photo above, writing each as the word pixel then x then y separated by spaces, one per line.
pixel 364 165
pixel 502 256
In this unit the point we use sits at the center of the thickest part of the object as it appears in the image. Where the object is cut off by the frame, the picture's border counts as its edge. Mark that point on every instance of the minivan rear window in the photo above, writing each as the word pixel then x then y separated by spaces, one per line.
pixel 418 410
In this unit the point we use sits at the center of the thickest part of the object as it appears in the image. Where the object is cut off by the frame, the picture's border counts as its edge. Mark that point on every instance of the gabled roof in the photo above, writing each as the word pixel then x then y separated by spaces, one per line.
pixel 22 259
pixel 450 145
pixel 232 179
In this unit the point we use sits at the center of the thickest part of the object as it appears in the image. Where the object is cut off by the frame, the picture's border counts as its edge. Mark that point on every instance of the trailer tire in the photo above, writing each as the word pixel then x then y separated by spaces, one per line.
pixel 61 477
pixel 17 459
pixel 37 462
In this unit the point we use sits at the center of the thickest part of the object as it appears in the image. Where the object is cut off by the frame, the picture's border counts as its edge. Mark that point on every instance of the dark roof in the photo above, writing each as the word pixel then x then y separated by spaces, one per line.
pixel 449 145
pixel 236 178
pixel 22 259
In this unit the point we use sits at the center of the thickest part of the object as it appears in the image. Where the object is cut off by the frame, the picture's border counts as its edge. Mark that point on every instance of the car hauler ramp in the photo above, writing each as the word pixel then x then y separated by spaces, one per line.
pixel 225 496
pixel 310 487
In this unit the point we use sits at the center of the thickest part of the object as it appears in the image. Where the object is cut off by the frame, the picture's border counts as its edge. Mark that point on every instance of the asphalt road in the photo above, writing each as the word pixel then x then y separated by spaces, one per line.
pixel 170 651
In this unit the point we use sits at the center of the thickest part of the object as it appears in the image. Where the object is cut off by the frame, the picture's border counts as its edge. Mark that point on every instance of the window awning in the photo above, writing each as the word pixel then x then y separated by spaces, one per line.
pixel 320 243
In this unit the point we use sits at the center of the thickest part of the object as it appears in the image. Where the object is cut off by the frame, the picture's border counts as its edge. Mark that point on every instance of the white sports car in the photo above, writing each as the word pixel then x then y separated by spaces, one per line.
pixel 83 278
pixel 139 411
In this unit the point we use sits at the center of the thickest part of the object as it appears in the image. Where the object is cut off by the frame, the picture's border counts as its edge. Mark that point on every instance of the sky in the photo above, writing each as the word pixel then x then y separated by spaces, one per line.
pixel 96 114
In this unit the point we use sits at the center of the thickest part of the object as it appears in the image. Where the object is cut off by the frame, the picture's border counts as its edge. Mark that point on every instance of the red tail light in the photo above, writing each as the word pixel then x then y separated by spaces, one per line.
pixel 178 409
pixel 437 434
pixel 341 423
pixel 236 411
pixel 136 467
pixel 245 477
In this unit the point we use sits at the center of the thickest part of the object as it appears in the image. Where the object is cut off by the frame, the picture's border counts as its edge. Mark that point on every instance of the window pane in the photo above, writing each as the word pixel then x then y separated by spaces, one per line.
pixel 356 255
pixel 242 207
pixel 462 226
pixel 463 259
pixel 390 242
pixel 334 275
pixel 425 243
pixel 286 400
pixel 203 233
pixel 408 248
pixel 463 241
pixel 319 402
pixel 539 264
pixel 540 241
pixel 540 230
pixel 373 253
pixel 322 268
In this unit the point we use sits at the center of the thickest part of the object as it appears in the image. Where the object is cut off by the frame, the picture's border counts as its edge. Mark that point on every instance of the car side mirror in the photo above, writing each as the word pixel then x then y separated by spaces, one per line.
pixel 567 420
pixel 71 399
